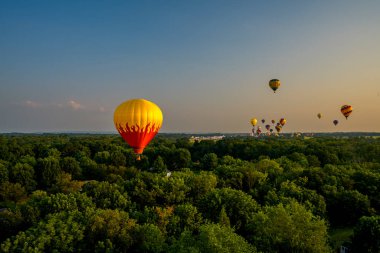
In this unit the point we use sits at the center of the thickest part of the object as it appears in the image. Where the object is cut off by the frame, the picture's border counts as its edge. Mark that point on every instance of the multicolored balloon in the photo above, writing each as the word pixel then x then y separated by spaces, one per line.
pixel 278 128
pixel 346 110
pixel 282 121
pixel 274 84
pixel 138 121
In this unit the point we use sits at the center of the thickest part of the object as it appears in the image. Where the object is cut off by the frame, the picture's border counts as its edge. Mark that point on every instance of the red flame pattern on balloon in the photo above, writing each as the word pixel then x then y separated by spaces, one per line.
pixel 138 137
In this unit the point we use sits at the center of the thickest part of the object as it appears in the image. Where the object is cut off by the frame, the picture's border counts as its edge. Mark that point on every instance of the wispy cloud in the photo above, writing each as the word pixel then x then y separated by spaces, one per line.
pixel 75 105
pixel 31 104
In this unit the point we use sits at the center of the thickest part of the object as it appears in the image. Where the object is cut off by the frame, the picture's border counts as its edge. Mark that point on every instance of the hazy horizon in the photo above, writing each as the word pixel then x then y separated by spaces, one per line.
pixel 65 66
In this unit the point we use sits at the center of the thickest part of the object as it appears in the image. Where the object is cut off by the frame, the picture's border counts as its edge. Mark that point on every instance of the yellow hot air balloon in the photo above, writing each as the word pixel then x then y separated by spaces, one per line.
pixel 319 115
pixel 346 110
pixel 253 121
pixel 274 84
pixel 138 121
pixel 282 121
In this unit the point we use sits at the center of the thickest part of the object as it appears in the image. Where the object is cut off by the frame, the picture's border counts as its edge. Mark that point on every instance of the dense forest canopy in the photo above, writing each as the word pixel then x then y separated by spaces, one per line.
pixel 88 193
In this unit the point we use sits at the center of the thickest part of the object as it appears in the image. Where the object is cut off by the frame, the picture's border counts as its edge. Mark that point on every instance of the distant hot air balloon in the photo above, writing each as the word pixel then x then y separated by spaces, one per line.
pixel 138 121
pixel 271 130
pixel 335 122
pixel 274 84
pixel 263 121
pixel 319 115
pixel 346 110
pixel 258 131
pixel 278 128
pixel 253 121
pixel 282 121
pixel 273 121
pixel 267 127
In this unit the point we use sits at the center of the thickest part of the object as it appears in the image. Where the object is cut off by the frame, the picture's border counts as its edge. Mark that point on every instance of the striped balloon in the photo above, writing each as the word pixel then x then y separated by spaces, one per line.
pixel 346 110
pixel 274 84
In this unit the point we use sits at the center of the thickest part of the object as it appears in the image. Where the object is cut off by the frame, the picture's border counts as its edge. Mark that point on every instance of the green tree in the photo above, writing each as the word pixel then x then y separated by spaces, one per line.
pixel 159 164
pixel 23 174
pixel 181 158
pixel 313 161
pixel 47 171
pixel 223 218
pixel 149 238
pixel 13 192
pixel 102 157
pixel 3 173
pixel 290 228
pixel 71 165
pixel 29 160
pixel 346 207
pixel 62 232
pixel 212 238
pixel 53 152
pixel 239 206
pixel 106 195
pixel 209 161
pixel 185 217
pixel 111 227
pixel 200 184
pixel 117 158
pixel 11 222
pixel 366 236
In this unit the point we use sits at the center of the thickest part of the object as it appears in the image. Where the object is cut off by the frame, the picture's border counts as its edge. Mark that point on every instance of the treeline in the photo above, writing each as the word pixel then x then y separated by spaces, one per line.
pixel 67 193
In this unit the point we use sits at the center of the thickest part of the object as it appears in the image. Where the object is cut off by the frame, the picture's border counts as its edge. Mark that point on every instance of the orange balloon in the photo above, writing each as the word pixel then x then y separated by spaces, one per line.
pixel 346 110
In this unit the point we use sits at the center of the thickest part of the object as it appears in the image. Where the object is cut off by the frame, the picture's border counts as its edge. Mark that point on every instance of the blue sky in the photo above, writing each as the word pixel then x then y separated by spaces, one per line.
pixel 65 65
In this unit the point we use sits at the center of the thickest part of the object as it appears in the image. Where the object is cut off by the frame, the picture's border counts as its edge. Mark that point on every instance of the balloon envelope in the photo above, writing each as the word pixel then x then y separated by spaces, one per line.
pixel 319 115
pixel 274 84
pixel 346 110
pixel 138 121
pixel 335 122
pixel 282 121
pixel 253 121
